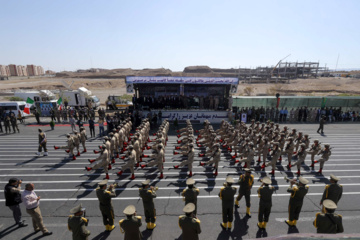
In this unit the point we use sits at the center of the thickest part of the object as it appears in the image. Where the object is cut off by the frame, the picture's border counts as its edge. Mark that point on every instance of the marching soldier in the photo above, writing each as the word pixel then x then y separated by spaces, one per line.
pixel 246 182
pixel 159 157
pixel 227 194
pixel 301 155
pixel 130 163
pixel 315 148
pixel 265 193
pixel 215 159
pixel 298 192
pixel 83 138
pixel 107 211
pixel 189 224
pixel 333 191
pixel 328 222
pixel 70 146
pixel 274 154
pixel 131 225
pixel 104 163
pixel 289 150
pixel 190 194
pixel 76 138
pixel 148 194
pixel 77 223
pixel 189 161
pixel 42 143
pixel 325 154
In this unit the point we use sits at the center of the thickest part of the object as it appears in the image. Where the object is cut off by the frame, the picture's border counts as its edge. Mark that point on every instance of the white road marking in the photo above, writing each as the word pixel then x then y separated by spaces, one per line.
pixel 311 219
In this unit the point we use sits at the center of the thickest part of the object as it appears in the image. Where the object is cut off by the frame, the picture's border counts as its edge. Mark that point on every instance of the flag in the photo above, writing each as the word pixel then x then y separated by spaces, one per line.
pixel 59 102
pixel 323 102
pixel 29 102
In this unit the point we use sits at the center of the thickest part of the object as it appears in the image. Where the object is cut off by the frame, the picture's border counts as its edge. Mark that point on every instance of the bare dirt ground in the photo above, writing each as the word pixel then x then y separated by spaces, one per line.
pixel 103 87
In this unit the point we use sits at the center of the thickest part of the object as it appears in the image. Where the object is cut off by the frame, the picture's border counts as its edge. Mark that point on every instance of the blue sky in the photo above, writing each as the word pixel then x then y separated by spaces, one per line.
pixel 173 34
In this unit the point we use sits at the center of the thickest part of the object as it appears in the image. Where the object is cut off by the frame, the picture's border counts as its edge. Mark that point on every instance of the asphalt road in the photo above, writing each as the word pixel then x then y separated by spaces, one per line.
pixel 63 183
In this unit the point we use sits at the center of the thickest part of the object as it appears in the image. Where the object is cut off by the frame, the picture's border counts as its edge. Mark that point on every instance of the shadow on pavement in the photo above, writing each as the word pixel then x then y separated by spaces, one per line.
pixel 102 236
pixel 8 230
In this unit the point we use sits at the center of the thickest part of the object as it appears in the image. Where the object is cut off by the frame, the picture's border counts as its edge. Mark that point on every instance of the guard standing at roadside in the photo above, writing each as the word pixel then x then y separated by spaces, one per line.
pixel 321 127
pixel 7 124
pixel 328 222
pixel 12 193
pixel 77 223
pixel 265 193
pixel 190 194
pixel 246 182
pixel 131 225
pixel 148 194
pixel 226 195
pixel 42 143
pixel 298 193
pixel 104 195
pixel 14 124
pixel 333 191
pixel 189 224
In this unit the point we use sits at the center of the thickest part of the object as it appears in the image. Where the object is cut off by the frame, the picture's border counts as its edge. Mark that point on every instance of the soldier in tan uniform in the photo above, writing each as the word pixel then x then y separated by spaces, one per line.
pixel 226 195
pixel 314 149
pixel 215 159
pixel 42 143
pixel 77 224
pixel 83 138
pixel 157 161
pixel 104 195
pixel 131 225
pixel 76 138
pixel 69 147
pixel 333 191
pixel 190 194
pixel 301 155
pixel 130 163
pixel 189 161
pixel 189 224
pixel 274 154
pixel 325 154
pixel 328 222
pixel 289 150
pixel 104 162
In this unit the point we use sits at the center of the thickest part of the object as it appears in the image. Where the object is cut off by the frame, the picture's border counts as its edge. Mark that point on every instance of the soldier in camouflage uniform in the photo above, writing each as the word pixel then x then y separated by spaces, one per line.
pixel 189 224
pixel 328 222
pixel 77 223
pixel 226 195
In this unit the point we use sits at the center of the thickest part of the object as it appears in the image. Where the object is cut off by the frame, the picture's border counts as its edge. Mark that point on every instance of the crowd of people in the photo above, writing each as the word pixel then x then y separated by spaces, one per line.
pixel 299 114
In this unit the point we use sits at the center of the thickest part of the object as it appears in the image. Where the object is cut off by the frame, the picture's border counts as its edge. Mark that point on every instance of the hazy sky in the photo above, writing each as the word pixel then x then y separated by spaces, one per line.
pixel 174 34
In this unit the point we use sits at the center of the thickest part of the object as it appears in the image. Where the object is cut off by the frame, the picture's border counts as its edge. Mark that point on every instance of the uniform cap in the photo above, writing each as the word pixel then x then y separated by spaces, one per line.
pixel 303 145
pixel 146 182
pixel 68 135
pixel 111 134
pixel 129 210
pixel 77 209
pixel 190 181
pixel 303 180
pixel 191 145
pixel 276 143
pixel 248 170
pixel 106 138
pixel 131 146
pixel 75 131
pixel 333 177
pixel 103 182
pixel 316 140
pixel 329 204
pixel 189 208
pixel 327 145
pixel 229 179
pixel 266 180
pixel 40 130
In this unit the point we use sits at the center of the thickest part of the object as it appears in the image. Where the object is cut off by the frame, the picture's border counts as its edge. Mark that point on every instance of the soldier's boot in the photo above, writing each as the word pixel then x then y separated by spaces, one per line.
pixel 245 166
pixel 84 151
pixel 280 158
pixel 109 167
pixel 96 152
pixel 107 176
pixel 46 154
pixel 289 223
pixel 142 166
pixel 263 165
pixel 148 147
pixel 223 226
pixel 289 165
pixel 176 166
pixel 78 154
pixel 56 148
pixel 201 154
pixel 199 145
pixel 119 173
pixel 190 174
pixel 316 161
pixel 117 155
pixel 202 164
pixel 298 172
pixel 175 153
pixel 148 225
pixel 320 171
pixel 67 151
pixel 294 222
pixel 113 161
pixel 153 225
pixel 248 214
pixel 73 157
pixel 216 173
pixel 259 159
pixel 272 172
pixel 91 160
pixel 229 149
pixel 161 176
pixel 137 165
pixel 264 224
pixel 145 156
pixel 177 148
pixel 236 161
pixel 236 203
pixel 132 176
pixel 88 169
pixel 110 228
pixel 235 155
pixel 229 224
pixel 260 225
pixel 179 141
pixel 107 227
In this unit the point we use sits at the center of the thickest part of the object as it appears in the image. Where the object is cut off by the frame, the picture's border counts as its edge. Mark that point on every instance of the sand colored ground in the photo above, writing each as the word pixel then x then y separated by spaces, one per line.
pixel 102 87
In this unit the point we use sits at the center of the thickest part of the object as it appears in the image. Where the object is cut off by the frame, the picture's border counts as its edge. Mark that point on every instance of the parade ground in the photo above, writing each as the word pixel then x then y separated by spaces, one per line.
pixel 62 184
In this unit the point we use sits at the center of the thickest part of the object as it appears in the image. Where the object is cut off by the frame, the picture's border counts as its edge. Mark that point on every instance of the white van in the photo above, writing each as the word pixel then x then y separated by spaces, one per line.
pixel 15 107
pixel 37 96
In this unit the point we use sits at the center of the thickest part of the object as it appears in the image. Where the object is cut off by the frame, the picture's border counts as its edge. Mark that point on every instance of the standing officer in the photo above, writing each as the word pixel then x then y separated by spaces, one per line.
pixel 42 143
pixel 190 194
pixel 131 225
pixel 265 193
pixel 13 121
pixel 189 224
pixel 227 194
pixel 7 124
pixel 298 192
pixel 148 194
pixel 104 195
pixel 77 223
pixel 246 182
pixel 333 191
pixel 12 193
pixel 328 222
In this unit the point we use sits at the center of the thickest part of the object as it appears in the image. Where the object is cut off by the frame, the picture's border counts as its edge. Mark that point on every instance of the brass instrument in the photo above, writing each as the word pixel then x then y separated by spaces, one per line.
pixel 154 189
pixel 292 181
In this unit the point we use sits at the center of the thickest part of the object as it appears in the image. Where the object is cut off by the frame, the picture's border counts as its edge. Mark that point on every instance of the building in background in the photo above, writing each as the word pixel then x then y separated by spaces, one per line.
pixel 32 70
pixel 13 70
pixel 4 71
pixel 40 70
